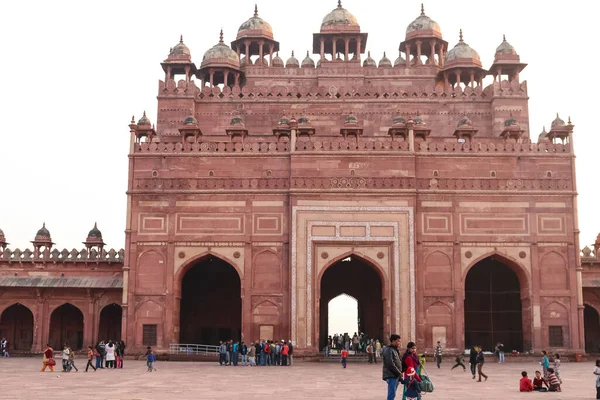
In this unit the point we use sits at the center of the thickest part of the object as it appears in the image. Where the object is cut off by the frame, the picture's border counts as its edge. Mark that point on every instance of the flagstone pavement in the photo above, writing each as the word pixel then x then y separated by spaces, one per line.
pixel 22 379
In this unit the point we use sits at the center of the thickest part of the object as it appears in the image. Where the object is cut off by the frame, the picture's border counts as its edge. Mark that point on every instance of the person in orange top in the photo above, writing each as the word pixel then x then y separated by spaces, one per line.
pixel 344 357
pixel 525 384
pixel 90 357
pixel 284 353
pixel 48 359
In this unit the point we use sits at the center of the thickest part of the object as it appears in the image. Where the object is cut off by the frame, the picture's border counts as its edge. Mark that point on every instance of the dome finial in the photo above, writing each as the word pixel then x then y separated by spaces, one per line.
pixel 221 36
pixel 460 36
pixel 569 121
pixel 255 10
pixel 180 38
pixel 422 9
pixel 339 3
pixel 504 37
pixel 293 56
pixel 384 53
pixel 145 115
pixel 133 119
pixel 306 53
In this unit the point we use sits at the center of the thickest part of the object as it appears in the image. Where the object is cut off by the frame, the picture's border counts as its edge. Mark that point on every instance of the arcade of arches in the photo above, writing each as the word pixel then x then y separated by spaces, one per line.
pixel 358 279
pixel 65 324
pixel 211 304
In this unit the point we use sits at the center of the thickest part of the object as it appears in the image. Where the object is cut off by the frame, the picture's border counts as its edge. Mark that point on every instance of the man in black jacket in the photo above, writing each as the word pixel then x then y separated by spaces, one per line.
pixel 473 360
pixel 392 366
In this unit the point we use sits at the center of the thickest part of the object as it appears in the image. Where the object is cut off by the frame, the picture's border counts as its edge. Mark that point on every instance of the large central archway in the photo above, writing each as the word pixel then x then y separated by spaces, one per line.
pixel 359 279
pixel 211 303
pixel 493 307
pixel 16 325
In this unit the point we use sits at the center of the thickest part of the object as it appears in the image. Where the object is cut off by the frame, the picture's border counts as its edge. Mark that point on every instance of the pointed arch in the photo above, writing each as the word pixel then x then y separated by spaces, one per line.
pixel 362 257
pixel 151 272
pixel 266 271
pixel 438 270
pixel 16 325
pixel 553 271
pixel 66 326
pixel 591 318
pixel 110 322
pixel 439 318
pixel 519 269
pixel 199 258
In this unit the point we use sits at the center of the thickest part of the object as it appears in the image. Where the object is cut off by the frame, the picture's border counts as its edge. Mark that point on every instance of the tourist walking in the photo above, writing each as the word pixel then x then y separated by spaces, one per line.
pixel 90 357
pixel 545 363
pixel 597 376
pixel 370 353
pixel 459 362
pixel 72 360
pixel 473 360
pixel 48 360
pixel 557 367
pixel 118 355
pixel 377 350
pixel 150 359
pixel 480 362
pixel 122 348
pixel 65 359
pixel 290 352
pixel 438 354
pixel 344 357
pixel 392 366
pixel 500 353
pixel 110 354
pixel 4 347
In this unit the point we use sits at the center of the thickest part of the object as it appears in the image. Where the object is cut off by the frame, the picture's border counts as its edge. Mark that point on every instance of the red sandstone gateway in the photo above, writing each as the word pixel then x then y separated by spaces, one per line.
pixel 267 189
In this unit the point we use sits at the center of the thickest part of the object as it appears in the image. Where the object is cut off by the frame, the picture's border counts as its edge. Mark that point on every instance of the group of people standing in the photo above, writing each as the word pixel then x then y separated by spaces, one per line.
pixel 356 343
pixel 109 355
pixel 263 353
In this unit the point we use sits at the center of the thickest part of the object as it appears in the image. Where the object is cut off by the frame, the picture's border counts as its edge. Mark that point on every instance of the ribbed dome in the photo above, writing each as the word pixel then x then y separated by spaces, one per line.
pixel 369 62
pixel 399 61
pixel 43 233
pixel 423 26
pixel 95 233
pixel 505 48
pixel 339 17
pixel 277 61
pixel 283 121
pixel 398 120
pixel 221 55
pixel 180 50
pixel 255 27
pixel 558 122
pixel 351 119
pixel 190 121
pixel 144 120
pixel 308 62
pixel 464 121
pixel 237 120
pixel 462 50
pixel 384 62
pixel 511 121
pixel 292 62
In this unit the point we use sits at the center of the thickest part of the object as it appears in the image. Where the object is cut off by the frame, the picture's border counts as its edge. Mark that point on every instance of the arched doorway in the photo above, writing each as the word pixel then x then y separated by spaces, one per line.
pixel 16 325
pixel 66 326
pixel 110 323
pixel 493 309
pixel 359 279
pixel 211 303
pixel 342 311
pixel 591 323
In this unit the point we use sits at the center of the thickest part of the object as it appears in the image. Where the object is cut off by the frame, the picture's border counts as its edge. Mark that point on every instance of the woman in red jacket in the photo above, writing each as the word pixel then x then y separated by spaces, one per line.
pixel 410 359
pixel 48 359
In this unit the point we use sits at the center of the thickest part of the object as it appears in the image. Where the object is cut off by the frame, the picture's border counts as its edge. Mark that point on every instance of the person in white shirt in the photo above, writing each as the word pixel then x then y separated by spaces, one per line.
pixel 65 359
pixel 110 354
pixel 597 376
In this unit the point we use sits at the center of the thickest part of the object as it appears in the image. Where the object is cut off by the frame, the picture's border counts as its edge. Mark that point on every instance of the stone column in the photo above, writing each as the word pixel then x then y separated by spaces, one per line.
pixel 322 49
pixel 237 79
pixel 441 55
pixel 432 56
pixel 225 77
pixel 187 73
pixel 334 52
pixel 248 60
pixel 472 78
pixel 212 75
pixel 419 52
pixel 358 48
pixel 261 52
pixel 536 320
pixel 407 52
pixel 271 47
pixel 457 73
pixel 346 42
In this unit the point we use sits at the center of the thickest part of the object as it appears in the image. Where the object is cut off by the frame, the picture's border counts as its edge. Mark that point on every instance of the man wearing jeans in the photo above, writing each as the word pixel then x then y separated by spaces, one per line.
pixel 392 366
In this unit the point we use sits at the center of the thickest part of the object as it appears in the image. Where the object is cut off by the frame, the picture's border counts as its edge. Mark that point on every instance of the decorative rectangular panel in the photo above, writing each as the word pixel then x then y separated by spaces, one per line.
pixel 152 224
pixel 204 223
pixel 436 224
pixel 551 224
pixel 494 224
pixel 267 224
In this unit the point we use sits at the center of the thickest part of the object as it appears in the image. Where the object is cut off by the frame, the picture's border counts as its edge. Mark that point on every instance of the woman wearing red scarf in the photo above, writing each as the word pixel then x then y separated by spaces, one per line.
pixel 410 359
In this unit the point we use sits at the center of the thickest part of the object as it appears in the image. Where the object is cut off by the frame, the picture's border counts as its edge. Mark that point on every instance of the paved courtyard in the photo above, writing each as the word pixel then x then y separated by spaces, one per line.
pixel 22 379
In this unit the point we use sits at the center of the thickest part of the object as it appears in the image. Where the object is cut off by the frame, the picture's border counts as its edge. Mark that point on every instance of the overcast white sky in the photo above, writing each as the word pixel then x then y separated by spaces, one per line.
pixel 74 72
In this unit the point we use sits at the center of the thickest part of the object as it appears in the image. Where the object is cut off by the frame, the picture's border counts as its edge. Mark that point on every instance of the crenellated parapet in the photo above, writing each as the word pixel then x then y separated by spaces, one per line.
pixel 84 256
pixel 310 91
